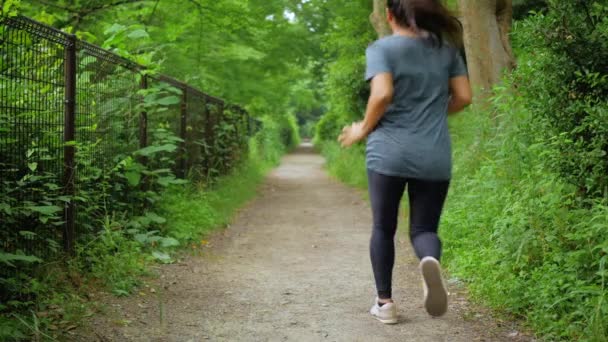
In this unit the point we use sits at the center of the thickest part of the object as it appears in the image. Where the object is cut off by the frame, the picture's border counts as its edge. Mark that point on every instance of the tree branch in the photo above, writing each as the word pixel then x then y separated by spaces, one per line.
pixel 153 11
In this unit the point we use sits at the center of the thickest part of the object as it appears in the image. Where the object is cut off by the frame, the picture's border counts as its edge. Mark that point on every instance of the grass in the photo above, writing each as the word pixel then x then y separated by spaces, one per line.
pixel 347 165
pixel 194 213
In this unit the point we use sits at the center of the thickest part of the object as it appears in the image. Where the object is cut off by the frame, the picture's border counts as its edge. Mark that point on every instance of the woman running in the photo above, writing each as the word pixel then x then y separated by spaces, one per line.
pixel 417 78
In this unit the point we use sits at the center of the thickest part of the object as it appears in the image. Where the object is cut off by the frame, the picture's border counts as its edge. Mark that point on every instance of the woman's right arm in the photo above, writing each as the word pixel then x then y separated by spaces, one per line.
pixel 461 94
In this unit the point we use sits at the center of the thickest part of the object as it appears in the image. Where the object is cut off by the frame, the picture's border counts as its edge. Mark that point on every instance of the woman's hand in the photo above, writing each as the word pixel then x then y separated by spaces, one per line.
pixel 352 134
pixel 380 98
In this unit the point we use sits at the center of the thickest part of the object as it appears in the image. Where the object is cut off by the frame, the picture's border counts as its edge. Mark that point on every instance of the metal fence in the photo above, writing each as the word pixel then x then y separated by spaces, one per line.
pixel 69 111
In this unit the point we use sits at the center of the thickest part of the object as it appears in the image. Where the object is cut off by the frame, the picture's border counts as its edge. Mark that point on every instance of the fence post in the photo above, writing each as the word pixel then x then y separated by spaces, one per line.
pixel 208 138
pixel 183 133
pixel 222 120
pixel 235 122
pixel 69 136
pixel 143 117
pixel 248 124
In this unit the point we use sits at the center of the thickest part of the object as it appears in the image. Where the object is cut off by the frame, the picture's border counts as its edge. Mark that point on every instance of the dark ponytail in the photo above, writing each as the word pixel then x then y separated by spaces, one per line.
pixel 430 16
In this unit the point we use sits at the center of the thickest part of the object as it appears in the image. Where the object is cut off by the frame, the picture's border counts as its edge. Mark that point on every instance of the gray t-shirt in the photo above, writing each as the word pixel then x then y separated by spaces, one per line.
pixel 412 138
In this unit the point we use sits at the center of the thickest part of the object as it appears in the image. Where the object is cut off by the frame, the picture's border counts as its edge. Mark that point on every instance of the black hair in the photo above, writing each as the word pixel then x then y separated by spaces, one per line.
pixel 428 15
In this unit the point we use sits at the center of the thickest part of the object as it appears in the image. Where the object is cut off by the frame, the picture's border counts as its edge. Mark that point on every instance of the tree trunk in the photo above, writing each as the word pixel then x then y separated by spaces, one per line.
pixel 487 24
pixel 378 18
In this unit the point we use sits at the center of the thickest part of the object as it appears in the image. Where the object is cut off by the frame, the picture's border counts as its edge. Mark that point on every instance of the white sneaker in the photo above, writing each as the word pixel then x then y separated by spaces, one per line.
pixel 386 313
pixel 435 292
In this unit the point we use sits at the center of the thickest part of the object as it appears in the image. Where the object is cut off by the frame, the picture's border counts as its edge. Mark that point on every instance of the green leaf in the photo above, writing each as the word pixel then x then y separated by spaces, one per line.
pixel 169 242
pixel 150 150
pixel 243 52
pixel 8 258
pixel 27 234
pixel 48 210
pixel 138 34
pixel 133 178
pixel 169 100
pixel 32 166
pixel 141 238
pixel 114 29
pixel 120 292
pixel 170 180
pixel 162 257
pixel 4 207
pixel 155 218
pixel 155 238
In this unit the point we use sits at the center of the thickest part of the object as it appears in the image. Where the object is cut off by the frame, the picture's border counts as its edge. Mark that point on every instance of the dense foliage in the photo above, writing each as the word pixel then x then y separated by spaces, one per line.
pixel 522 8
pixel 526 218
pixel 345 88
pixel 572 96
pixel 131 207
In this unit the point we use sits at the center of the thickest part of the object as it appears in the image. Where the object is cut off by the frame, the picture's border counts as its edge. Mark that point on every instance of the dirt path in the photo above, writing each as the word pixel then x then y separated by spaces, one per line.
pixel 293 267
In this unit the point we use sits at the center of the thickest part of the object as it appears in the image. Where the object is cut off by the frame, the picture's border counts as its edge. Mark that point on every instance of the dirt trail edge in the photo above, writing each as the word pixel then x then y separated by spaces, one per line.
pixel 293 266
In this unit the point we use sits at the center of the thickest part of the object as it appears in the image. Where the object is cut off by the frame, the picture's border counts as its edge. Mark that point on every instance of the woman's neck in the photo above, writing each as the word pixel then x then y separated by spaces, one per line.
pixel 405 31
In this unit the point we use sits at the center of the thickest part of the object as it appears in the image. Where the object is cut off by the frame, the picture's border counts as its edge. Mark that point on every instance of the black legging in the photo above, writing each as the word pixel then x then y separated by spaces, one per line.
pixel 426 203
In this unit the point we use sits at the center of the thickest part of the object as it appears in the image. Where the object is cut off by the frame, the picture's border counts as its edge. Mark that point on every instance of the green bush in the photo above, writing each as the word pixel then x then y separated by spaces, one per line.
pixel 289 132
pixel 345 88
pixel 525 221
pixel 518 233
pixel 522 8
pixel 569 98
pixel 266 145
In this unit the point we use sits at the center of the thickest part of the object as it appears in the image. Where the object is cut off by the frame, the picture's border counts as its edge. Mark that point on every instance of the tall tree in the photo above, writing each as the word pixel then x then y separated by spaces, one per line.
pixel 378 18
pixel 487 24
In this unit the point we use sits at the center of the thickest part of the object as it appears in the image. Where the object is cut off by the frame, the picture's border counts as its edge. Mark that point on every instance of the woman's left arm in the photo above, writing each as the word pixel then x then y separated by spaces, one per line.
pixel 380 98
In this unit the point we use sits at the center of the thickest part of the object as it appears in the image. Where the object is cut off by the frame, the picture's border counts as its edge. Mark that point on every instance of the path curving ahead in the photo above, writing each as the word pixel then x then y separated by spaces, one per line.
pixel 293 266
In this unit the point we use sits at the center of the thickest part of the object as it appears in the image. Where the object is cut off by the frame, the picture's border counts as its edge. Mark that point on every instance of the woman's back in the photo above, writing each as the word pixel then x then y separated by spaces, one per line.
pixel 412 138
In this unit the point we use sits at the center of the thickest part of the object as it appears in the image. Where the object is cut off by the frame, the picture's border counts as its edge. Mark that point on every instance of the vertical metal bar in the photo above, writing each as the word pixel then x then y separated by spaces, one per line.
pixel 143 118
pixel 69 135
pixel 248 118
pixel 221 121
pixel 143 130
pixel 237 122
pixel 183 165
pixel 208 138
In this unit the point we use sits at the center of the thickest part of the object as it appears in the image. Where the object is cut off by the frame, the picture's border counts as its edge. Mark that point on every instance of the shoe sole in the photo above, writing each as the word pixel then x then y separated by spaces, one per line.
pixel 385 321
pixel 436 301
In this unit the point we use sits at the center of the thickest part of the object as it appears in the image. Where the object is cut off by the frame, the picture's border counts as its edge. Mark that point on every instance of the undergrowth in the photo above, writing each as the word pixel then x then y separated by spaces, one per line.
pixel 518 234
pixel 58 298
pixel 347 165
pixel 193 213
